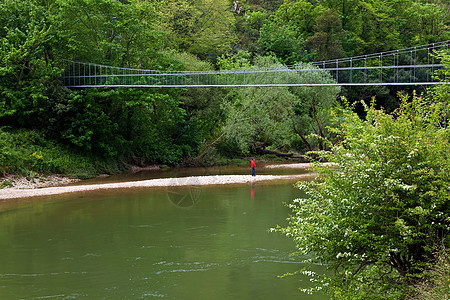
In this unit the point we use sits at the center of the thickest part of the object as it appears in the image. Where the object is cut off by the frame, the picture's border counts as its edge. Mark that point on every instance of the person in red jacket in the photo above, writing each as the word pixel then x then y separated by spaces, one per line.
pixel 252 163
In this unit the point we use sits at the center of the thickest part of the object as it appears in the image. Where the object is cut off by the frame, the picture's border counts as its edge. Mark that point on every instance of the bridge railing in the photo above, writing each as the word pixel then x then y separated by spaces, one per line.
pixel 405 66
pixel 415 65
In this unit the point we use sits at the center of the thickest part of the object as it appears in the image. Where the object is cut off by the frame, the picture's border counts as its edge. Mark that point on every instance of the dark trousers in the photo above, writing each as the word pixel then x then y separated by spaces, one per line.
pixel 253 171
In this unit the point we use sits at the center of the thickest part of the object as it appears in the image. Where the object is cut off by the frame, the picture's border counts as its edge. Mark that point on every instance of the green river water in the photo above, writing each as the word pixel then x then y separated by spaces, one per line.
pixel 158 243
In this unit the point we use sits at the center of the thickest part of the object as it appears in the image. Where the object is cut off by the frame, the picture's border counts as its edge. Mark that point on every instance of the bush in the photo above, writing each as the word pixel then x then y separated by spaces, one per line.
pixel 375 219
pixel 24 151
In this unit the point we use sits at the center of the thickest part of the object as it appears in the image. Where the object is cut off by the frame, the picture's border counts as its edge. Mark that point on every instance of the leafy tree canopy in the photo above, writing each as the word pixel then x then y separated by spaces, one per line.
pixel 204 28
pixel 107 31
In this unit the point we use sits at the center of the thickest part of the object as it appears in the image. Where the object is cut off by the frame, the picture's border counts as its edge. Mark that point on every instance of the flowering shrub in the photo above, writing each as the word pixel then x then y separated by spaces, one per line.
pixel 377 217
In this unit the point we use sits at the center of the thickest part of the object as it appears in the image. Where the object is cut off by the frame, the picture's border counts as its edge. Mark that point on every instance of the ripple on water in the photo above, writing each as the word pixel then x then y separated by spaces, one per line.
pixel 177 267
pixel 40 274
pixel 153 294
pixel 62 296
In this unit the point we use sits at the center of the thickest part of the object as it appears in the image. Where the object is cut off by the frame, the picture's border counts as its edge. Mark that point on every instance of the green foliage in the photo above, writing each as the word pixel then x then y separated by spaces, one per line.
pixel 357 27
pixel 27 151
pixel 283 42
pixel 107 124
pixel 166 126
pixel 248 27
pixel 300 15
pixel 437 274
pixel 148 125
pixel 376 27
pixel 261 118
pixel 377 216
pixel 240 60
pixel 312 118
pixel 285 33
pixel 201 105
pixel 6 183
pixel 107 31
pixel 258 117
pixel 326 41
pixel 441 92
pixel 91 126
pixel 25 67
pixel 431 22
pixel 192 26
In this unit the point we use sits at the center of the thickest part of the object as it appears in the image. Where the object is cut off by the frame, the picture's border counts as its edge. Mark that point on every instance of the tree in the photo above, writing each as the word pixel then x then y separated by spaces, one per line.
pixel 276 120
pixel 202 105
pixel 312 108
pixel 300 15
pixel 204 28
pixel 375 27
pixel 26 67
pixel 345 8
pixel 282 42
pixel 248 27
pixel 432 22
pixel 108 32
pixel 440 93
pixel 119 123
pixel 326 40
pixel 437 275
pixel 257 117
pixel 285 34
pixel 379 214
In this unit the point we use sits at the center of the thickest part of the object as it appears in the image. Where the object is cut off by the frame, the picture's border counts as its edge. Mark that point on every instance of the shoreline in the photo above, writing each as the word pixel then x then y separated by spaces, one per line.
pixel 14 193
pixel 21 187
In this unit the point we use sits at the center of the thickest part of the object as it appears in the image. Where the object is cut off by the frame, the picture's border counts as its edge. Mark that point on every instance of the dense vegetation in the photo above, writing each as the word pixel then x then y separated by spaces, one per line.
pixel 377 220
pixel 380 216
pixel 170 126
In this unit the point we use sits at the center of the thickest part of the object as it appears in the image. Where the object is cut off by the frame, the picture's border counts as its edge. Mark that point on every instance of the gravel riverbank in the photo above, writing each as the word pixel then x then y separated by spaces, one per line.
pixel 20 187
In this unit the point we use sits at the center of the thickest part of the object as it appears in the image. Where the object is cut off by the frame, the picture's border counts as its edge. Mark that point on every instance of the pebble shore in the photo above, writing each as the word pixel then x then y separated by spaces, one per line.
pixel 21 187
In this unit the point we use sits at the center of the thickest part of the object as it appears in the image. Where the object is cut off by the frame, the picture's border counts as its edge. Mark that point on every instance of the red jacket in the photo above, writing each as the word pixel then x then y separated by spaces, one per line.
pixel 253 163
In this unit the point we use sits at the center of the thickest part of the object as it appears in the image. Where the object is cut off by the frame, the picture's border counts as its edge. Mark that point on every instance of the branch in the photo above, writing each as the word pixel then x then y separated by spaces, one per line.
pixel 281 154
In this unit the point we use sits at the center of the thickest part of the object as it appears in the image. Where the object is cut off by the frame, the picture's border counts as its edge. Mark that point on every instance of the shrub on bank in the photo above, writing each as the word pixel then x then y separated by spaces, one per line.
pixel 27 152
pixel 376 218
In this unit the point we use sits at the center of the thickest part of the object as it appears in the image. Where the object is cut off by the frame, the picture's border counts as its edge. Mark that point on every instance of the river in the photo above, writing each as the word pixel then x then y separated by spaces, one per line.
pixel 208 242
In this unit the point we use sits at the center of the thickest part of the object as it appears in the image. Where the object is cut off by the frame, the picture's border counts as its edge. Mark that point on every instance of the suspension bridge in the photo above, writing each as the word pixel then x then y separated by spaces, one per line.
pixel 409 66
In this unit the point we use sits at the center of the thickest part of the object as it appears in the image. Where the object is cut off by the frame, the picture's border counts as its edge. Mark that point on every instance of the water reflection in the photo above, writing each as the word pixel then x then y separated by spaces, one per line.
pixel 252 191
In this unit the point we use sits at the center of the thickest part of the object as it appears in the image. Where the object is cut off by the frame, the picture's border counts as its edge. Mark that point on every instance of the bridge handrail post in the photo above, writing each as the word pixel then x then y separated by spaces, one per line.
pixel 428 62
pixel 432 63
pixel 73 73
pixel 415 62
pixel 323 72
pixel 365 69
pixel 398 64
pixel 351 70
pixel 410 73
pixel 337 72
pixel 266 75
pixel 381 69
